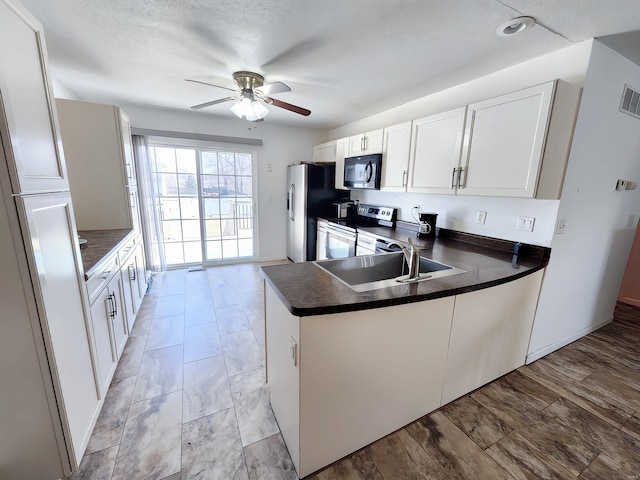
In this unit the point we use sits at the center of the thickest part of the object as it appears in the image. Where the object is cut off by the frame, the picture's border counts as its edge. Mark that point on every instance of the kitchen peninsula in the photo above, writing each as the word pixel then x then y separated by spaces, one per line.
pixel 345 368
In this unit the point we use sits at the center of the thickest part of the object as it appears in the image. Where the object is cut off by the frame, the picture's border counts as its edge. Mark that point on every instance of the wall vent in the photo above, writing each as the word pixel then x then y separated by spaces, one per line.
pixel 630 102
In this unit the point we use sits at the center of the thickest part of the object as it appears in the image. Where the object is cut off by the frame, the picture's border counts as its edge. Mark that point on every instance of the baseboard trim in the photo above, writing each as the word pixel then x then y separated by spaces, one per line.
pixel 630 301
pixel 533 356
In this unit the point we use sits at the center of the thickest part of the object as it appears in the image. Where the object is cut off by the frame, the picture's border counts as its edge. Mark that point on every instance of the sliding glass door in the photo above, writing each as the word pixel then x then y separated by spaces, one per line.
pixel 227 195
pixel 204 198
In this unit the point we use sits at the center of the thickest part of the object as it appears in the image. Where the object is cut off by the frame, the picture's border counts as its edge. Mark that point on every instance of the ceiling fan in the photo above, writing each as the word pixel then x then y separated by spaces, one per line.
pixel 252 93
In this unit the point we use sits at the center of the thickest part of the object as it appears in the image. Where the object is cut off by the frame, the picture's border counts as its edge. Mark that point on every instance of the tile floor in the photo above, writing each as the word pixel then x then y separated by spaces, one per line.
pixel 188 401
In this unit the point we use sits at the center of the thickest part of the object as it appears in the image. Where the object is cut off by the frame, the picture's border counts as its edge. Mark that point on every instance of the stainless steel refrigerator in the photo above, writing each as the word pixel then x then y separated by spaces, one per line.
pixel 311 194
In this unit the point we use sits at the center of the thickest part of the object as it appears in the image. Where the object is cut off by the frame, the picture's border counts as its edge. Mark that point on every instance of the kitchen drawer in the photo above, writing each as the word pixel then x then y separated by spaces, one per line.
pixel 126 248
pixel 101 277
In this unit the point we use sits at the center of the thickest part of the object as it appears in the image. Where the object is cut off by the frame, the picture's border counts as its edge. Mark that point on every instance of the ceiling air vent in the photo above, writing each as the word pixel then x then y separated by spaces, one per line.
pixel 630 102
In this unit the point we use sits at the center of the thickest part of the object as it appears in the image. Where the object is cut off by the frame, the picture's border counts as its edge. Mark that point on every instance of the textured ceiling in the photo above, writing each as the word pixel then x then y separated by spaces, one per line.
pixel 343 59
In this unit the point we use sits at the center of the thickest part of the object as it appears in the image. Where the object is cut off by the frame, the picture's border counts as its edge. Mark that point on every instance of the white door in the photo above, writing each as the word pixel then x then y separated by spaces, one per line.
pixel 504 143
pixel 50 238
pixel 33 139
pixel 436 144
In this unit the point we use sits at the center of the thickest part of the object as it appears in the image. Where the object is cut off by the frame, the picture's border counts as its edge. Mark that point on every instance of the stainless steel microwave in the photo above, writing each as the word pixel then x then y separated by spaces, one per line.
pixel 363 171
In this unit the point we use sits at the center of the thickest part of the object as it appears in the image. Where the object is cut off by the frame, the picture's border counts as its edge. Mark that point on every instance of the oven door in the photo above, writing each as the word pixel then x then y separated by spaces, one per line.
pixel 341 241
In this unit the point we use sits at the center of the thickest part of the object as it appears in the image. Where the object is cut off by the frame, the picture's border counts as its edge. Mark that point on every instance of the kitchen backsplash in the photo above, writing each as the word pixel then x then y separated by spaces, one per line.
pixel 460 213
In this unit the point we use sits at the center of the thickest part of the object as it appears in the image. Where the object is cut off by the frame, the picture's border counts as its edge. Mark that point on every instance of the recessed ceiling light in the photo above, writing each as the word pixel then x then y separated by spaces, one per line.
pixel 514 26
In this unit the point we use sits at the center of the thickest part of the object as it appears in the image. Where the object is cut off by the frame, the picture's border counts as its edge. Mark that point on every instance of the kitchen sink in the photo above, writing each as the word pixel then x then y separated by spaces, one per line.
pixel 371 272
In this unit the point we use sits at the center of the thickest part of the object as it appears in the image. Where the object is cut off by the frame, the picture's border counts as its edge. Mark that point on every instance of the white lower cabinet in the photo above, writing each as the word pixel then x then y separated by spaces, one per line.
pixel 108 318
pixel 134 285
pixel 490 334
pixel 338 382
pixel 353 377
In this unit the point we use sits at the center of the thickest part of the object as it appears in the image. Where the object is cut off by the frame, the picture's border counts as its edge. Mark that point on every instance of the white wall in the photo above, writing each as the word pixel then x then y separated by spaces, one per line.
pixel 588 261
pixel 459 213
pixel 281 146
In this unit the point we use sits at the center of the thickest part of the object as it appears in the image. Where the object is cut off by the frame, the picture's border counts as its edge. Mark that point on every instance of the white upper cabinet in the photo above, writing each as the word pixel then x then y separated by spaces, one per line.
pixel 513 145
pixel 516 145
pixel 97 145
pixel 30 136
pixel 342 147
pixel 124 126
pixel 436 143
pixel 325 152
pixel 366 143
pixel 334 151
pixel 395 157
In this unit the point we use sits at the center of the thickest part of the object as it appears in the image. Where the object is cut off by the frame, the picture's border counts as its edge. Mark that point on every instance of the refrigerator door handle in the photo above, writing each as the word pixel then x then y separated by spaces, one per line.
pixel 292 201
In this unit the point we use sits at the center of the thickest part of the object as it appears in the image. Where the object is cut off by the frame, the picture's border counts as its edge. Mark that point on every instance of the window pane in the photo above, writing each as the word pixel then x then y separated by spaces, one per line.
pixel 165 159
pixel 173 253
pixel 192 252
pixel 214 250
pixel 187 184
pixel 211 208
pixel 190 230
pixel 229 248
pixel 227 186
pixel 226 206
pixel 169 208
pixel 245 248
pixel 226 163
pixel 186 160
pixel 209 185
pixel 213 229
pixel 210 163
pixel 189 208
pixel 168 184
pixel 172 231
pixel 243 164
pixel 243 186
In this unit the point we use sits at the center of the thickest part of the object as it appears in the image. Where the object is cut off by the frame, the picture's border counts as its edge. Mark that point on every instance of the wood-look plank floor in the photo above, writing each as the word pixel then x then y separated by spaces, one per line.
pixel 572 414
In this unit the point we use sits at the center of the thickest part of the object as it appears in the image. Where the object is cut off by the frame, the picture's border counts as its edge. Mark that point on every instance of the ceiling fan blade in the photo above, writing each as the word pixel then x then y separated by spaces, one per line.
pixel 210 84
pixel 271 88
pixel 214 102
pixel 287 106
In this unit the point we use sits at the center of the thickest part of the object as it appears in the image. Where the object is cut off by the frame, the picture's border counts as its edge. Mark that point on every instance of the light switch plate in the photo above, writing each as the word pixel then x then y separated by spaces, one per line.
pixel 561 225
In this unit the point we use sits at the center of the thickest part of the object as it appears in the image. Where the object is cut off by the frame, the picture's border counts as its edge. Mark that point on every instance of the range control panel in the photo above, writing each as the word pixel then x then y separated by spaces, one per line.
pixel 387 214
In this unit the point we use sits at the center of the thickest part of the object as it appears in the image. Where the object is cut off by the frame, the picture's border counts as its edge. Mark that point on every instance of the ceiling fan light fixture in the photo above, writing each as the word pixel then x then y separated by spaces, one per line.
pixel 515 26
pixel 252 110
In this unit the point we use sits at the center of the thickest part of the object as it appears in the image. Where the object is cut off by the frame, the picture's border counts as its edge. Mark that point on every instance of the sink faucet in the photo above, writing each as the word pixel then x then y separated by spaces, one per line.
pixel 413 259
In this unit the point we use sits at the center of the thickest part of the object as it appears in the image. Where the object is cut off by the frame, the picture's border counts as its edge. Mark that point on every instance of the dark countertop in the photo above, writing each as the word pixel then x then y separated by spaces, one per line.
pixel 100 243
pixel 305 289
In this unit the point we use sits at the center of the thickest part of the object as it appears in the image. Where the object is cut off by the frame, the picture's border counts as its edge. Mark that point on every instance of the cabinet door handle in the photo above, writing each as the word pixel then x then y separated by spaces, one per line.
pixel 453 178
pixel 132 273
pixel 114 305
pixel 110 307
pixel 404 178
pixel 462 184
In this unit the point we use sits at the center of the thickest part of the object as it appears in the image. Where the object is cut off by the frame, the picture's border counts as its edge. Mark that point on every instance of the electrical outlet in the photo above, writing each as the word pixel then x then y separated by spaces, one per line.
pixel 481 217
pixel 561 225
pixel 525 224
pixel 621 184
